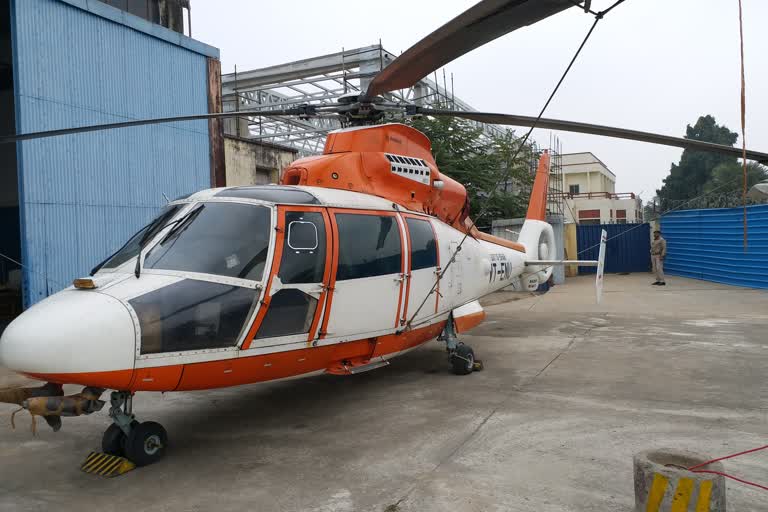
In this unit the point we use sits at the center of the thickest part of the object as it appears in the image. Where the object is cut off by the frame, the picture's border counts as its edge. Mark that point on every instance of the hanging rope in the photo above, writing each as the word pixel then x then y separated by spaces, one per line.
pixel 743 125
pixel 484 210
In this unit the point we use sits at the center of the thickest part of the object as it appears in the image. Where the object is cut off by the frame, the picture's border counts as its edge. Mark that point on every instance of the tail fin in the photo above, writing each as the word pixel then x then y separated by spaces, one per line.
pixel 536 235
pixel 537 205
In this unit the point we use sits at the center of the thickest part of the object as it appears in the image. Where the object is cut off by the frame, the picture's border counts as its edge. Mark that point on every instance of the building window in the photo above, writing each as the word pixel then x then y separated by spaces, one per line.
pixel 369 245
pixel 589 216
pixel 423 245
pixel 573 189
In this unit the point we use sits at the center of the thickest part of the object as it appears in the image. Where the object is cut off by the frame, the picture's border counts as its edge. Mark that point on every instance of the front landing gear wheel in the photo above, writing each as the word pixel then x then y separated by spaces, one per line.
pixel 463 360
pixel 113 440
pixel 146 443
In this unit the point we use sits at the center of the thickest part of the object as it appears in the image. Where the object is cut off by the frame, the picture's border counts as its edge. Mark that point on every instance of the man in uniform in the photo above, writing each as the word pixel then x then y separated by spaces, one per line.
pixel 658 253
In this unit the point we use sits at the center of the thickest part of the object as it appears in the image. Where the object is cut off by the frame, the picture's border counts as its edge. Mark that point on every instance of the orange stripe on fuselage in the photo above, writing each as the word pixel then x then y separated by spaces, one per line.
pixel 470 321
pixel 249 369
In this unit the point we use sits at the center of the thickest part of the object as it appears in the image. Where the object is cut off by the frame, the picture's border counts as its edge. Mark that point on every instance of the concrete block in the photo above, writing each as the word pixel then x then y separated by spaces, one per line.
pixel 663 483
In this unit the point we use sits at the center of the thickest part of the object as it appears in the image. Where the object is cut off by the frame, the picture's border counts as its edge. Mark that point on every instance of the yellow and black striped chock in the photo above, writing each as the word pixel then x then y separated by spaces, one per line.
pixel 106 465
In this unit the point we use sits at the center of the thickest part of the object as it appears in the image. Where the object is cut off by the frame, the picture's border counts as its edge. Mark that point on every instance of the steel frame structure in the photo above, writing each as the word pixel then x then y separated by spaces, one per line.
pixel 320 81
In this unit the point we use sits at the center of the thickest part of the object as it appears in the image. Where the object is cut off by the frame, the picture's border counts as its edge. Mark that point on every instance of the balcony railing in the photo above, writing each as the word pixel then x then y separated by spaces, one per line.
pixel 600 195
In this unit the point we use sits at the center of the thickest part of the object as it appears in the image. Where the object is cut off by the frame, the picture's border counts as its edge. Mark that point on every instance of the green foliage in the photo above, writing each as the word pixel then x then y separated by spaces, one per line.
pixel 729 177
pixel 480 164
pixel 688 179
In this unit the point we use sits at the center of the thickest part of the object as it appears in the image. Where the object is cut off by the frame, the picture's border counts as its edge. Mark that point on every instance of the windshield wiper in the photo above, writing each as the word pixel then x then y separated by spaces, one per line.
pixel 178 224
pixel 149 229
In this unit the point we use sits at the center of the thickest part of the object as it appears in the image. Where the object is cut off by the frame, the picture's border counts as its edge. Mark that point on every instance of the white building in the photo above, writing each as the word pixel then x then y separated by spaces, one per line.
pixel 590 193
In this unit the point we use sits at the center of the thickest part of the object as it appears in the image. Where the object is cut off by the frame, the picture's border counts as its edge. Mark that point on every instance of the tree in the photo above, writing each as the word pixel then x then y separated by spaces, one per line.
pixel 686 180
pixel 728 178
pixel 481 163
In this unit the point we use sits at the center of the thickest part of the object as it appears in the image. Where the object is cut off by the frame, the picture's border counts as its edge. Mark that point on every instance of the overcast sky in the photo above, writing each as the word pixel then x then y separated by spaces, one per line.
pixel 653 65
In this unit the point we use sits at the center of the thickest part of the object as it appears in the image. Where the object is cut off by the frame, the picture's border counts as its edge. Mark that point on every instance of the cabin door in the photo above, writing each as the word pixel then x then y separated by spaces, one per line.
pixel 423 264
pixel 368 283
pixel 297 288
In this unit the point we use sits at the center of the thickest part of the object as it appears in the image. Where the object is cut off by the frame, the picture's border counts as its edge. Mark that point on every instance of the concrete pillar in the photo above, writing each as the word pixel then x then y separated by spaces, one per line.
pixel 571 250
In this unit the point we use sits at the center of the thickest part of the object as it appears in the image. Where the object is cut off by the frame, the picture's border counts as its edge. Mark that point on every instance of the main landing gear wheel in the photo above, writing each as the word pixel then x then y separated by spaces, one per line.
pixel 146 443
pixel 463 360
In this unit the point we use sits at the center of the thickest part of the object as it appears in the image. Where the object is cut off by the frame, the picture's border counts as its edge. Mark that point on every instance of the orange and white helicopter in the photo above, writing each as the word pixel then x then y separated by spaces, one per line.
pixel 360 254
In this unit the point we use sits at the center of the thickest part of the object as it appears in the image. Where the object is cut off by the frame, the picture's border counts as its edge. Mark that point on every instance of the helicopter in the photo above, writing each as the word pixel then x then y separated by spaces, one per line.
pixel 358 256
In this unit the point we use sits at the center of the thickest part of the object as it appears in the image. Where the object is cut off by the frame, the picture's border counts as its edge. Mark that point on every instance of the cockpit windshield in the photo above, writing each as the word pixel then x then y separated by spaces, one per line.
pixel 221 238
pixel 132 246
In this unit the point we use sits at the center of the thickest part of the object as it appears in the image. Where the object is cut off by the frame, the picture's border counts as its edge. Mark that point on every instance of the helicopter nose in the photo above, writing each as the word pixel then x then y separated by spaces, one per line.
pixel 73 337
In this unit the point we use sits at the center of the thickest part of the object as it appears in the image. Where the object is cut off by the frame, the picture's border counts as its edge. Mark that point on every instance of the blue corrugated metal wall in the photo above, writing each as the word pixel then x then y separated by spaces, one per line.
pixel 709 244
pixel 628 248
pixel 83 195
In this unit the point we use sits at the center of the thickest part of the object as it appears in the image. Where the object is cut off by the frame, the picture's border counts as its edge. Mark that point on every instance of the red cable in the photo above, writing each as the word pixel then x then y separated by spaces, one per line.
pixel 747 482
pixel 726 475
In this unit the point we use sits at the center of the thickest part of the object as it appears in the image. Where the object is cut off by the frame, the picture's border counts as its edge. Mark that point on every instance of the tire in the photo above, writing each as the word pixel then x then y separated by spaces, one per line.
pixel 146 443
pixel 463 360
pixel 113 440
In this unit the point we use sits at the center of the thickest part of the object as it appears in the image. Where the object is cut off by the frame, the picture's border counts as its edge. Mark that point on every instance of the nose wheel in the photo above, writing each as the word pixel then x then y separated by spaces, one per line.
pixel 141 443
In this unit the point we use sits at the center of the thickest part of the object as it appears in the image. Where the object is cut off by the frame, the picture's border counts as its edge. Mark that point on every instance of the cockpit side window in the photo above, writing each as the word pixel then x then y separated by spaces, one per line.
pixel 131 247
pixel 220 238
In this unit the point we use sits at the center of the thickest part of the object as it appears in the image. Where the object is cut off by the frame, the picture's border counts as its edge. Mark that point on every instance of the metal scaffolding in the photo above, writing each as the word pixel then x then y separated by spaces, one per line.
pixel 555 198
pixel 320 81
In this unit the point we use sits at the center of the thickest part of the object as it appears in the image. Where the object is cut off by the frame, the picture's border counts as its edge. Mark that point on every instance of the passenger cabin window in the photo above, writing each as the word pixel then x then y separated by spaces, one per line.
pixel 423 245
pixel 192 315
pixel 225 239
pixel 303 261
pixel 369 245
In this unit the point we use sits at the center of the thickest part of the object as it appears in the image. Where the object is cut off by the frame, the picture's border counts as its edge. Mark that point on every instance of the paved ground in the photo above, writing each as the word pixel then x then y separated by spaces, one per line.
pixel 570 391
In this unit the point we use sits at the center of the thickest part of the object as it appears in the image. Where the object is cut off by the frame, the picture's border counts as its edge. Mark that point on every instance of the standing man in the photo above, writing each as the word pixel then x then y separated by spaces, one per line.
pixel 658 253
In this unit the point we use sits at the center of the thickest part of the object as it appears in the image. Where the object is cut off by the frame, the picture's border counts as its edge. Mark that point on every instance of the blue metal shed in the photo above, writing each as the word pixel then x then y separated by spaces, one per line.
pixel 709 244
pixel 81 62
pixel 628 248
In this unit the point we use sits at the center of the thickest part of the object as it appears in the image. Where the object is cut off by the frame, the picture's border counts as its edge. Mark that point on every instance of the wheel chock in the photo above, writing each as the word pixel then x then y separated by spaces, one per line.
pixel 477 366
pixel 106 465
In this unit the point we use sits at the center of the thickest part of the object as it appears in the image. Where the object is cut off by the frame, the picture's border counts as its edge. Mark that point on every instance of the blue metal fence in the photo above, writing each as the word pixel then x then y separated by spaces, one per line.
pixel 709 244
pixel 78 63
pixel 628 248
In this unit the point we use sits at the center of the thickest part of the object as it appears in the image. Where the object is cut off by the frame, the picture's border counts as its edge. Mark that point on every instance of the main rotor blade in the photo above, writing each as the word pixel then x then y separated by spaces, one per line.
pixel 596 129
pixel 480 24
pixel 298 111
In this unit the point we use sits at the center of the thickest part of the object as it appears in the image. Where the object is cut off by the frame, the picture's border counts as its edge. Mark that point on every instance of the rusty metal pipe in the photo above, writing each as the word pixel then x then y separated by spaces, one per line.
pixel 85 402
pixel 18 395
pixel 48 401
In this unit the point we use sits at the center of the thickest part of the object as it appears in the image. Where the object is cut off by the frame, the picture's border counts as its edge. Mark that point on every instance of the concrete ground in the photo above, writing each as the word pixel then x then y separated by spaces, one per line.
pixel 569 392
